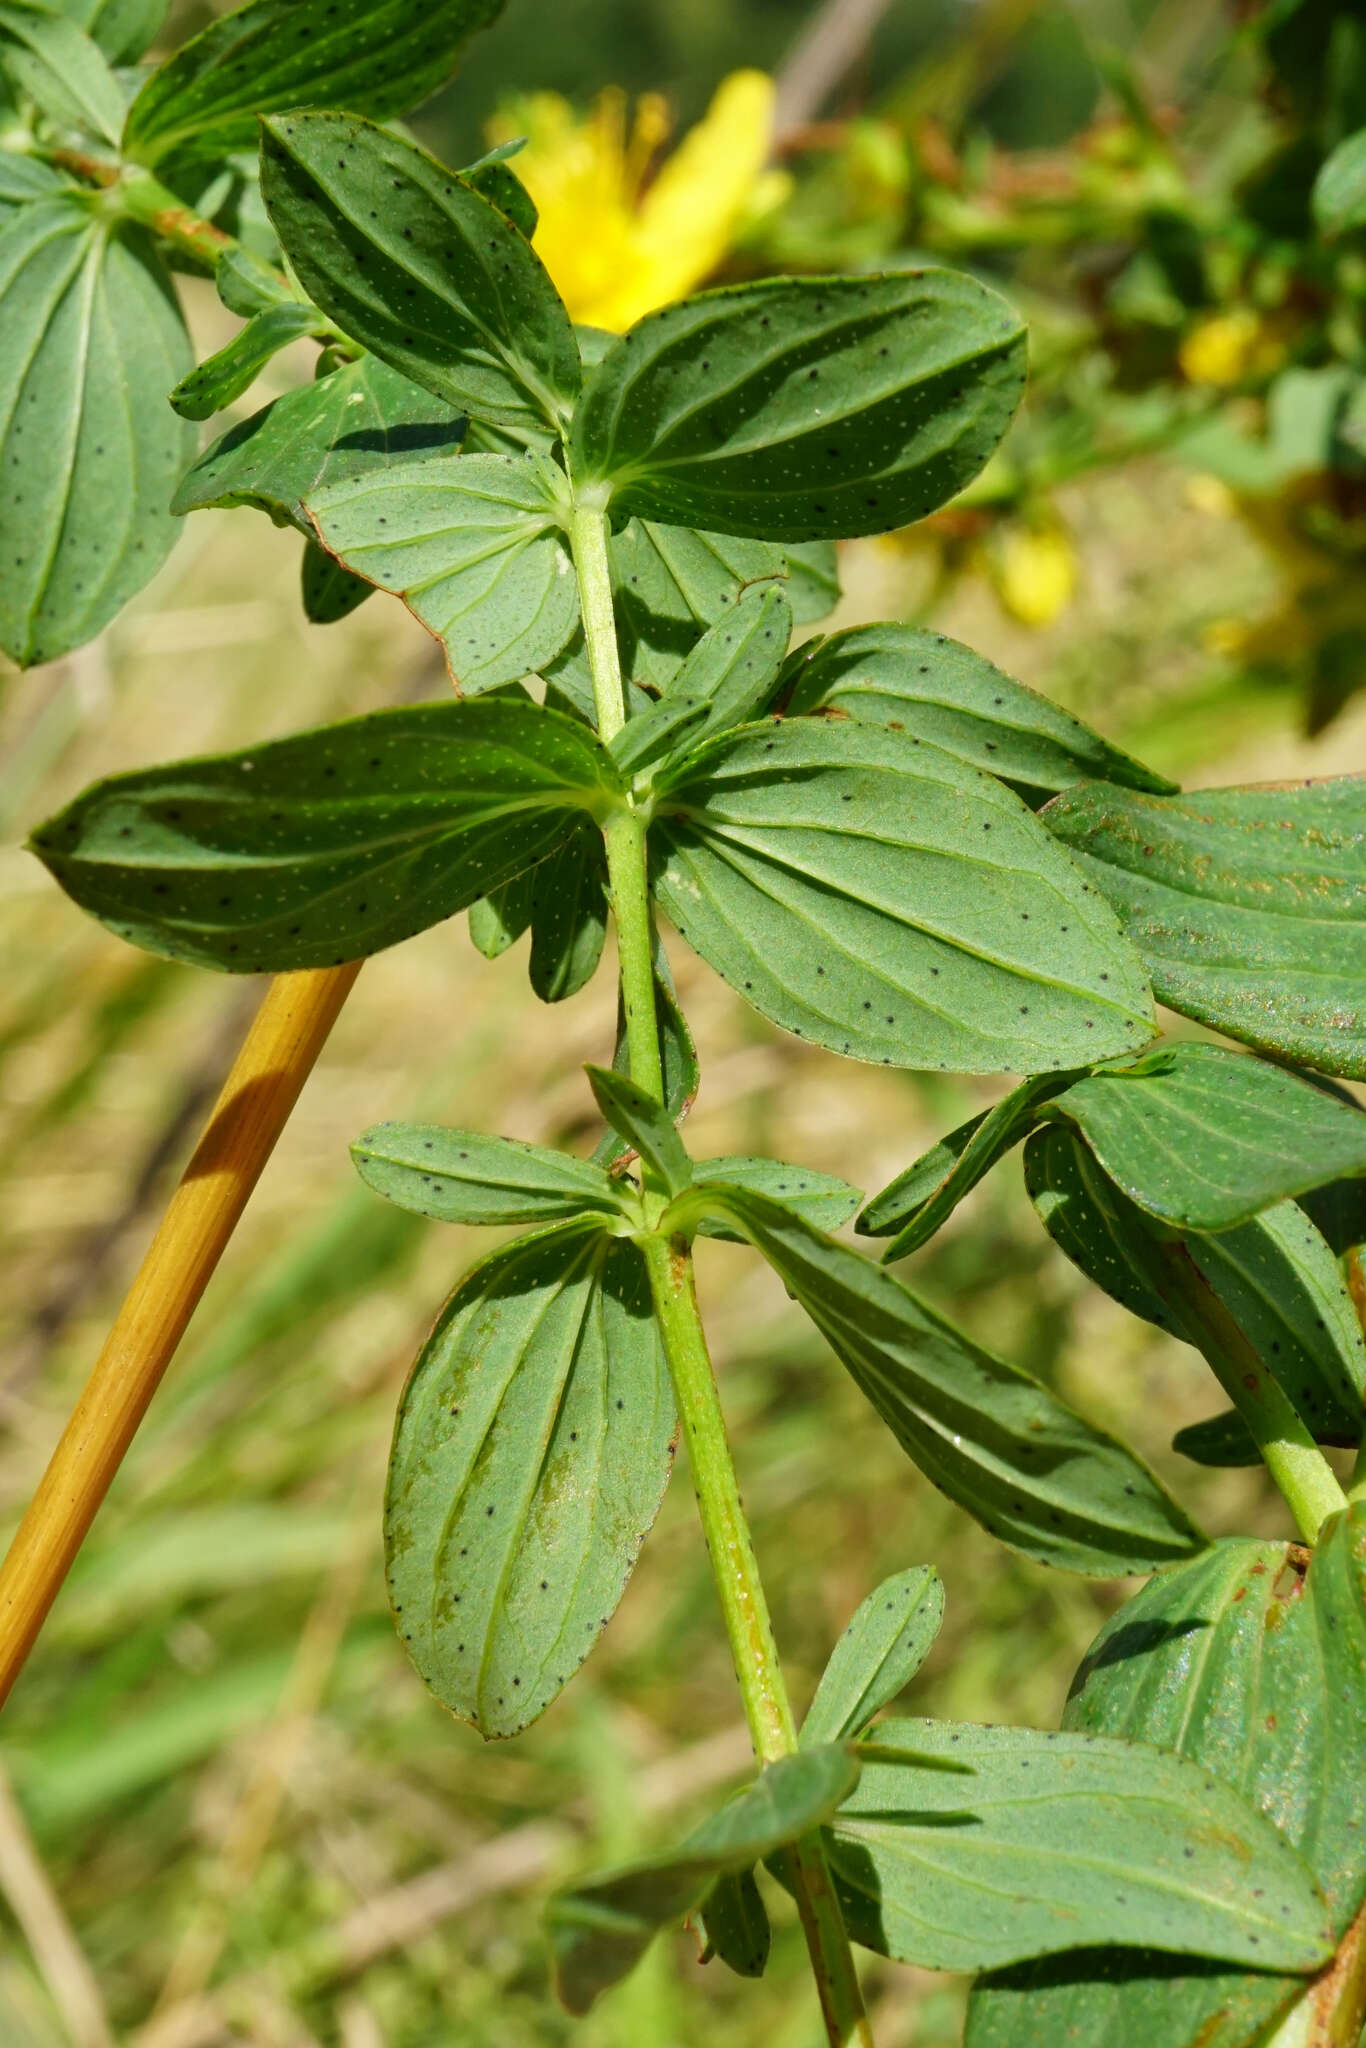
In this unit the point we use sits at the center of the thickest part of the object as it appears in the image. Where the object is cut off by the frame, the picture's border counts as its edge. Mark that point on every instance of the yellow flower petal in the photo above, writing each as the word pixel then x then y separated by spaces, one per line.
pixel 1036 574
pixel 1221 351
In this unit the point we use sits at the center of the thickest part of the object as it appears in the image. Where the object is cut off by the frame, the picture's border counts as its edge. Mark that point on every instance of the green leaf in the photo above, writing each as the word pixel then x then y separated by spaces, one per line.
pixel 647 1127
pixel 215 383
pixel 246 283
pixel 1032 1472
pixel 25 178
pixel 679 1054
pixel 475 548
pixel 912 1208
pixel 1203 1138
pixel 821 1199
pixel 376 57
pixel 877 1656
pixel 499 919
pixel 328 591
pixel 465 1177
pixel 568 915
pixel 61 69
pixel 600 1927
pixel 1247 905
pixel 533 1446
pixel 1253 1668
pixel 883 900
pixel 505 190
pixel 926 684
pixel 1275 1274
pixel 122 28
pixel 1223 1441
pixel 91 340
pixel 1340 188
pixel 803 408
pixel 727 679
pixel 357 421
pixel 813 580
pixel 420 268
pixel 332 844
pixel 734 1924
pixel 670 584
pixel 1062 1842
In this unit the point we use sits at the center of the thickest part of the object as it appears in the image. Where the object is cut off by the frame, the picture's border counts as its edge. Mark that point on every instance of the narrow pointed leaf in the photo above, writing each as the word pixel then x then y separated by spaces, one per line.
pixel 733 1924
pixel 734 667
pixel 804 408
pixel 1203 1138
pixel 122 28
pixel 222 378
pixel 420 268
pixel 533 1446
pixel 1030 1470
pixel 1340 188
pixel 90 343
pixel 474 547
pixel 502 187
pixel 61 69
pixel 568 915
pixel 1223 1441
pixel 600 1928
pixel 1247 905
pixel 328 591
pixel 679 1054
pixel 822 1199
pixel 912 1207
pixel 669 584
pixel 646 1126
pixel 877 1656
pixel 1061 1842
pixel 329 845
pixel 886 901
pixel 813 580
pixel 466 1177
pixel 377 57
pixel 24 178
pixel 357 421
pixel 926 684
pixel 1253 1668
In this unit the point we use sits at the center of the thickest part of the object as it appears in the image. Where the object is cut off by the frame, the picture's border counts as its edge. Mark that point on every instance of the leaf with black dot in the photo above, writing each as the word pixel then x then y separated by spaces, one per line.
pixel 221 378
pixel 882 899
pixel 333 844
pixel 801 409
pixel 458 1176
pixel 877 1656
pixel 1032 1471
pixel 533 1446
pixel 822 1198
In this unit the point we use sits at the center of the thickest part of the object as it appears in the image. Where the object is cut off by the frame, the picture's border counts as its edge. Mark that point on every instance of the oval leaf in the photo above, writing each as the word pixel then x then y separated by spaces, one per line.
pixel 222 378
pixel 465 1177
pixel 823 1199
pixel 888 902
pixel 670 584
pixel 1340 188
pixel 877 1656
pixel 533 1446
pixel 804 408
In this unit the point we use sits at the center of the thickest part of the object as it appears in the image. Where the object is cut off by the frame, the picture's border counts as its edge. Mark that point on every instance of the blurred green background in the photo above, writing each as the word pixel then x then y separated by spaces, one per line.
pixel 233 1815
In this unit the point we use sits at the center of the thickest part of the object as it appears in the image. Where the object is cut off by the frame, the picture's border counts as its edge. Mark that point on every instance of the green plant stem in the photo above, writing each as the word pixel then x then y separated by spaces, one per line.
pixel 1294 1460
pixel 143 198
pixel 669 1261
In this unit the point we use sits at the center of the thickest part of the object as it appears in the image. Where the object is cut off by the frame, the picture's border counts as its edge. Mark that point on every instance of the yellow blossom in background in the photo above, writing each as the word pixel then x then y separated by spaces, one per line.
pixel 1230 347
pixel 615 245
pixel 1034 570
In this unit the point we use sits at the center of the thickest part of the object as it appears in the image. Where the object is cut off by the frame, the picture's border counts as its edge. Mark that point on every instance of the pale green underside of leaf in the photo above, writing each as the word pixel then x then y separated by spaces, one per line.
pixel 1062 1842
pixel 329 845
pixel 1247 905
pixel 1033 1472
pixel 877 1656
pixel 122 28
pixel 62 69
pixel 23 178
pixel 357 421
pixel 681 1075
pixel 419 268
pixel 935 688
pixel 1340 187
pixel 466 1177
pixel 1256 1672
pixel 888 902
pixel 600 1928
pixel 669 584
pixel 532 1449
pixel 644 1124
pixel 91 341
pixel 804 408
pixel 473 546
pixel 822 1199
pixel 1276 1275
pixel 376 57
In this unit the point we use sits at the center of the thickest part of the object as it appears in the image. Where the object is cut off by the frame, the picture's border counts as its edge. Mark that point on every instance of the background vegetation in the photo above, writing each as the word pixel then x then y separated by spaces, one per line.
pixel 260 1829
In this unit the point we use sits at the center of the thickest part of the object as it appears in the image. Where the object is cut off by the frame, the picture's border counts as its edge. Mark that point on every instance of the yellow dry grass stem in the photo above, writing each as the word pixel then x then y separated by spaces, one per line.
pixel 277 1055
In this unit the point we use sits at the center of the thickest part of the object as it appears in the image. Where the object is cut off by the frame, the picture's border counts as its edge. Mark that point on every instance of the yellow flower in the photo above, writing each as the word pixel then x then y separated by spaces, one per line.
pixel 1035 573
pixel 616 246
pixel 1230 347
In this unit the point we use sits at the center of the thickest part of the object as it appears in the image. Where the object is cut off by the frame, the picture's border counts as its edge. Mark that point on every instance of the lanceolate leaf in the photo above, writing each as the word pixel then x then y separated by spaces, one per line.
pixel 1275 1274
pixel 24 178
pixel 568 915
pixel 375 57
pixel 61 69
pixel 600 1928
pixel 122 28
pixel 822 1199
pixel 926 684
pixel 1203 1138
pixel 1340 188
pixel 533 1446
pixel 465 1177
pixel 1033 1472
pixel 877 1656
pixel 1062 1842
pixel 1253 1668
pixel 90 343
pixel 886 901
pixel 1248 905
pixel 332 844
pixel 669 584
pixel 420 268
pixel 474 547
pixel 676 1047
pixel 646 1125
pixel 733 1924
pixel 913 1206
pixel 357 421
pixel 726 680
pixel 804 408
pixel 222 378
pixel 1223 1441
